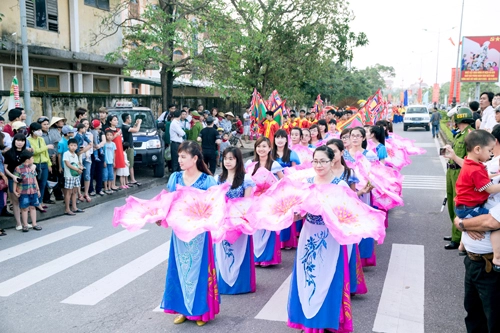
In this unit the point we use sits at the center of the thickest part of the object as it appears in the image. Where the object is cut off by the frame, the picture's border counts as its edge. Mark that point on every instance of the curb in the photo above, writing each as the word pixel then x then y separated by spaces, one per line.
pixel 58 209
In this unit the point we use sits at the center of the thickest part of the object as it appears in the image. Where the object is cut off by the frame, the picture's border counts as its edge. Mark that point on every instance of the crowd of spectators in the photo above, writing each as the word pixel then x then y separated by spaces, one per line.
pixel 53 160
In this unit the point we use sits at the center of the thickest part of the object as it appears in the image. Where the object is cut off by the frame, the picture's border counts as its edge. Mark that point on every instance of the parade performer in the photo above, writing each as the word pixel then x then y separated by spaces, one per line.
pixel 306 137
pixel 341 171
pixel 235 261
pixel 302 122
pixel 319 298
pixel 295 136
pixel 266 243
pixel 377 135
pixel 357 140
pixel 456 152
pixel 315 136
pixel 269 126
pixel 286 158
pixel 191 284
pixel 323 128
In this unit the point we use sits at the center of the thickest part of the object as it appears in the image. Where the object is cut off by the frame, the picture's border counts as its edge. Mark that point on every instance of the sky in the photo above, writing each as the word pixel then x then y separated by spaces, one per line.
pixel 395 30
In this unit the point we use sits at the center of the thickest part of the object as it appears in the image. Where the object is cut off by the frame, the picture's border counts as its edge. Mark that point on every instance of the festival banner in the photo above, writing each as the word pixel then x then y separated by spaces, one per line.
pixel 14 100
pixel 435 93
pixel 452 84
pixel 480 59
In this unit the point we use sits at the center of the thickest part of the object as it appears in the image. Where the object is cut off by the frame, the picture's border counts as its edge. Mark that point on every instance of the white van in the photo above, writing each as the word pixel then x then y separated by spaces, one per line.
pixel 416 116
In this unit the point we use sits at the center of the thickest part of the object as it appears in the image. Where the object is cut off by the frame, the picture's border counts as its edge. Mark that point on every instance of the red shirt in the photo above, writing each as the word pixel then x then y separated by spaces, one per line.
pixel 472 183
pixel 8 129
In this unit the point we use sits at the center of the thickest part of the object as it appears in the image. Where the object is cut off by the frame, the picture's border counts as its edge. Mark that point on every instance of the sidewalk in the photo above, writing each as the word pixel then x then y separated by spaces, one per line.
pixel 144 176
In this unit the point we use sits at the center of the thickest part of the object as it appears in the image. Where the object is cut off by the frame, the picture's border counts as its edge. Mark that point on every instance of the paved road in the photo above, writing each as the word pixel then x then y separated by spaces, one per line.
pixel 82 275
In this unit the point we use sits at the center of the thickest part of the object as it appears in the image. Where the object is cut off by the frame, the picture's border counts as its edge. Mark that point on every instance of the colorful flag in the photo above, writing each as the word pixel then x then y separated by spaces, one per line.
pixel 318 107
pixel 14 100
pixel 354 121
pixel 278 113
pixel 405 98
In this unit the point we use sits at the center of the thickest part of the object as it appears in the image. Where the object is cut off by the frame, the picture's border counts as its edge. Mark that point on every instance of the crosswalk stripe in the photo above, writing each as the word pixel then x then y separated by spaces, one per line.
pixel 37 243
pixel 424 188
pixel 99 290
pixel 55 266
pixel 401 306
pixel 276 308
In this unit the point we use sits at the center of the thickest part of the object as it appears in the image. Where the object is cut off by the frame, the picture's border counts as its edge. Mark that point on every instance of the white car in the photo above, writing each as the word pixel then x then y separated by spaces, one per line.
pixel 416 116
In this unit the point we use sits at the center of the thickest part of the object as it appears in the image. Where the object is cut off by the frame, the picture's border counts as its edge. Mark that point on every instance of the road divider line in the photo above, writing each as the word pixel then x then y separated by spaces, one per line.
pixel 276 308
pixel 37 243
pixel 55 266
pixel 401 306
pixel 99 290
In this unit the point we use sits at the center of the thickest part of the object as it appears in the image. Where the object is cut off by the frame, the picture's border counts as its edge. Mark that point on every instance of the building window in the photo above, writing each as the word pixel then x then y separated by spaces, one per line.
pixel 101 86
pixel 42 14
pixel 136 88
pixel 42 82
pixel 101 4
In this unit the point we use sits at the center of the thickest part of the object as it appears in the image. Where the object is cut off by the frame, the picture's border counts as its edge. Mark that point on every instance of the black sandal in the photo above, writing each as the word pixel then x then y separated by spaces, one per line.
pixel 2 232
pixel 26 229
pixel 78 211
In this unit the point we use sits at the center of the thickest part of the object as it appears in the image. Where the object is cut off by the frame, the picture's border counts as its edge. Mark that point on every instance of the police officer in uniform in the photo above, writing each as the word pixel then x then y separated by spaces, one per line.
pixel 463 118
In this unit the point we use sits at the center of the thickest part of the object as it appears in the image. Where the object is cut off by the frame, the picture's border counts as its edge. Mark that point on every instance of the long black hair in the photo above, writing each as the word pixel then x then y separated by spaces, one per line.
pixel 340 146
pixel 194 149
pixel 385 125
pixel 378 133
pixel 256 158
pixel 323 122
pixel 239 169
pixel 281 133
pixel 363 135
pixel 109 118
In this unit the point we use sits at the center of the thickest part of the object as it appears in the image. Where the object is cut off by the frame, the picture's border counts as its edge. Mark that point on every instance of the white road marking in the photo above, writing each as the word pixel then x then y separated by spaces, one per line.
pixel 37 243
pixel 99 290
pixel 55 266
pixel 401 307
pixel 424 182
pixel 276 308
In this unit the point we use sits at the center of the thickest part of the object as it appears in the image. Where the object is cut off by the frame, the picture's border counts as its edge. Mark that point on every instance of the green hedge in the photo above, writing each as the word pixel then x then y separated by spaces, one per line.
pixel 446 130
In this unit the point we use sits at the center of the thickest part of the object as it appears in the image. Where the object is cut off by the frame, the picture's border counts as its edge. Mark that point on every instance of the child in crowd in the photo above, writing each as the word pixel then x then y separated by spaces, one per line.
pixel 474 186
pixel 27 189
pixel 72 171
pixel 222 146
pixel 109 160
pixel 123 173
pixel 67 133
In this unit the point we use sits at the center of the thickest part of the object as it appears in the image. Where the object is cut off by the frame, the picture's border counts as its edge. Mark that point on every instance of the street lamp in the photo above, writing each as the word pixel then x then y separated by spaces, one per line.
pixel 454 99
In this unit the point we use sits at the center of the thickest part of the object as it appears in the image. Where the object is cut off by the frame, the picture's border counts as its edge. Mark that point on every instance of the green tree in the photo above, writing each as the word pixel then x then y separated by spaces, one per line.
pixel 280 44
pixel 151 38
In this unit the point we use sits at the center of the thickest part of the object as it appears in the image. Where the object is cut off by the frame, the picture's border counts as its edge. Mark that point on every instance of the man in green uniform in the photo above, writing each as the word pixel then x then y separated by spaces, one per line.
pixel 456 153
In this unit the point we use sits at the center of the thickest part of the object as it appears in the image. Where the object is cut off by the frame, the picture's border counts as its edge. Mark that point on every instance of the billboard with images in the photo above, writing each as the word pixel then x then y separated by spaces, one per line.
pixel 480 59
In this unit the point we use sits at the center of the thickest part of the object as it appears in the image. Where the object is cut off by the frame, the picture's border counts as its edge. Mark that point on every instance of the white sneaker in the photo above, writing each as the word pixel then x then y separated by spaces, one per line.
pixel 30 226
pixel 19 227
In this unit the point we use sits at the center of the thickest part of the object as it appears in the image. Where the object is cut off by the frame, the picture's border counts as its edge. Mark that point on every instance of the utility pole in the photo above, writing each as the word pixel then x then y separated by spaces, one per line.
pixel 26 66
pixel 457 71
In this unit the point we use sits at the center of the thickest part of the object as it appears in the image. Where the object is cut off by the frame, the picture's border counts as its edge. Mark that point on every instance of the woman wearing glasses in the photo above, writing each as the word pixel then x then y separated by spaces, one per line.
pixel 317 301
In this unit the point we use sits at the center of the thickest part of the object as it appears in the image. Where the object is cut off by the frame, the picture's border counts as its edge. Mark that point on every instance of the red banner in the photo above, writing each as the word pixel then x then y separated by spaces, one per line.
pixel 419 96
pixel 401 97
pixel 452 84
pixel 480 59
pixel 435 93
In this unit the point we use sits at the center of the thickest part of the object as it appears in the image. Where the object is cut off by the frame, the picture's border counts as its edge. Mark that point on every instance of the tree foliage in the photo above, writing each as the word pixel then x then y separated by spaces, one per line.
pixel 280 44
pixel 151 38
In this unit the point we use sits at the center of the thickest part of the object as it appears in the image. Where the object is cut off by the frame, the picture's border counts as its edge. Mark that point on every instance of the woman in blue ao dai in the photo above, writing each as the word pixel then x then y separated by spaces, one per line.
pixel 266 243
pixel 343 172
pixel 235 261
pixel 286 158
pixel 319 298
pixel 191 284
pixel 357 139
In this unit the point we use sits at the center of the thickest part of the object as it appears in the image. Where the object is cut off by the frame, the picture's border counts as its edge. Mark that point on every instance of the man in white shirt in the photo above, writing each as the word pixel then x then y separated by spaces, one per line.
pixel 488 113
pixel 177 136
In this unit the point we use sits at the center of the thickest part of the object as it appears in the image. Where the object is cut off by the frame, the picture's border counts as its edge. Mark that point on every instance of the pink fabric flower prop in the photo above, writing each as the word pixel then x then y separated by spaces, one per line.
pixel 263 179
pixel 194 211
pixel 407 145
pixel 348 219
pixel 274 210
pixel 236 215
pixel 398 158
pixel 301 175
pixel 137 212
pixel 305 154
